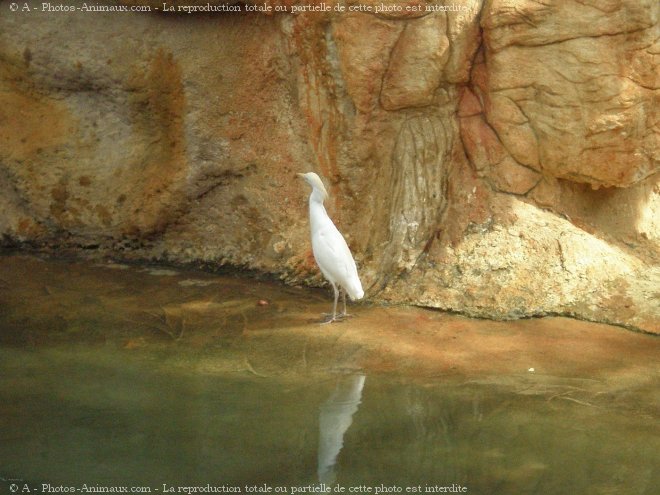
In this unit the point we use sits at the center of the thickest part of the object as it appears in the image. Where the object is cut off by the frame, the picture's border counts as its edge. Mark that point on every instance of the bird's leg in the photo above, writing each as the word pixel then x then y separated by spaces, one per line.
pixel 334 307
pixel 344 314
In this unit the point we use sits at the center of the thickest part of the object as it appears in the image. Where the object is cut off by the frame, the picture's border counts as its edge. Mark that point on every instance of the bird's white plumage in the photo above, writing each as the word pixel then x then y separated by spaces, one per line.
pixel 334 258
pixel 330 250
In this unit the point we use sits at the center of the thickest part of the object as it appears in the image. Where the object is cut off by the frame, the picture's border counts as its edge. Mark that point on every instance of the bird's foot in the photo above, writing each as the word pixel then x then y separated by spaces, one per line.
pixel 329 318
pixel 345 315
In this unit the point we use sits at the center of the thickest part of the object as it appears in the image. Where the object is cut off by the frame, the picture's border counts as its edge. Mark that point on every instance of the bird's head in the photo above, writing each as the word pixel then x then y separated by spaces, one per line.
pixel 315 181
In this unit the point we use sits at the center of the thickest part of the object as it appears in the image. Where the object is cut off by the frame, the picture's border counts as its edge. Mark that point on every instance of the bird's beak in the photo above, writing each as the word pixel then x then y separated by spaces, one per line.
pixel 300 175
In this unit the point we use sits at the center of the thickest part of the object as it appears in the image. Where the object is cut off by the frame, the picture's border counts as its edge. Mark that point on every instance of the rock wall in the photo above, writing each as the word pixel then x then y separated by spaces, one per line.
pixel 495 158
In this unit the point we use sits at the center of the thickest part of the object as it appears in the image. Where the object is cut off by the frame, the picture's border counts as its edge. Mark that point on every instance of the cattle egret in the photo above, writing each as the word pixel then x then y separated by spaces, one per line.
pixel 330 249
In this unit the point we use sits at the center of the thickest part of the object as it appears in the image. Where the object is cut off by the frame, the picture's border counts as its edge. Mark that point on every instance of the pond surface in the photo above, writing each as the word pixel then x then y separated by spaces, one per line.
pixel 94 395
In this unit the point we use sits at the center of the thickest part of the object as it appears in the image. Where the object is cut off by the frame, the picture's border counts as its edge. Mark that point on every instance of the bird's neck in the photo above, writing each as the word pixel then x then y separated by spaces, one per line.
pixel 316 208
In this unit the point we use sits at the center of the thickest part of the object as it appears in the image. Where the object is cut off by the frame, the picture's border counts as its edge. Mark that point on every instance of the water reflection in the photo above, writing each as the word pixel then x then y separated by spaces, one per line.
pixel 335 417
pixel 83 415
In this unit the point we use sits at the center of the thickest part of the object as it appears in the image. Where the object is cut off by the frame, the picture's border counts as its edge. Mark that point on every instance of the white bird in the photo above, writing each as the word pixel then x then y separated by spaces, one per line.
pixel 330 249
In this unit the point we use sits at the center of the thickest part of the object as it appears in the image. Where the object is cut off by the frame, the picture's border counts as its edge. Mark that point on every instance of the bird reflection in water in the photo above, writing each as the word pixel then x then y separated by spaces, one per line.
pixel 335 417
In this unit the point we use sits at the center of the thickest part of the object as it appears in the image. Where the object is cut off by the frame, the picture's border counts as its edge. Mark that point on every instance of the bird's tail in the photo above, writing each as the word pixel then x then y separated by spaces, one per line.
pixel 354 289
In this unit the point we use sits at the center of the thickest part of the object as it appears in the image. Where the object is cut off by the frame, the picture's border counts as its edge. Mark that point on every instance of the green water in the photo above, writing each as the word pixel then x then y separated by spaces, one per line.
pixel 96 415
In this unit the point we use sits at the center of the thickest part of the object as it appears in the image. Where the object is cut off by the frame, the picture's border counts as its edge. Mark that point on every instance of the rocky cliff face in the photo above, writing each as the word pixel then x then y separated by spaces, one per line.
pixel 498 159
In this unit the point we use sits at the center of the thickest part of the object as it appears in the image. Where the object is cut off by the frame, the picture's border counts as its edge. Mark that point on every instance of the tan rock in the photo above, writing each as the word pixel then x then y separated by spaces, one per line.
pixel 515 179
pixel 530 23
pixel 482 146
pixel 512 177
pixel 364 43
pixel 464 38
pixel 416 63
pixel 531 262
pixel 468 104
pixel 581 108
pixel 514 130
pixel 487 154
